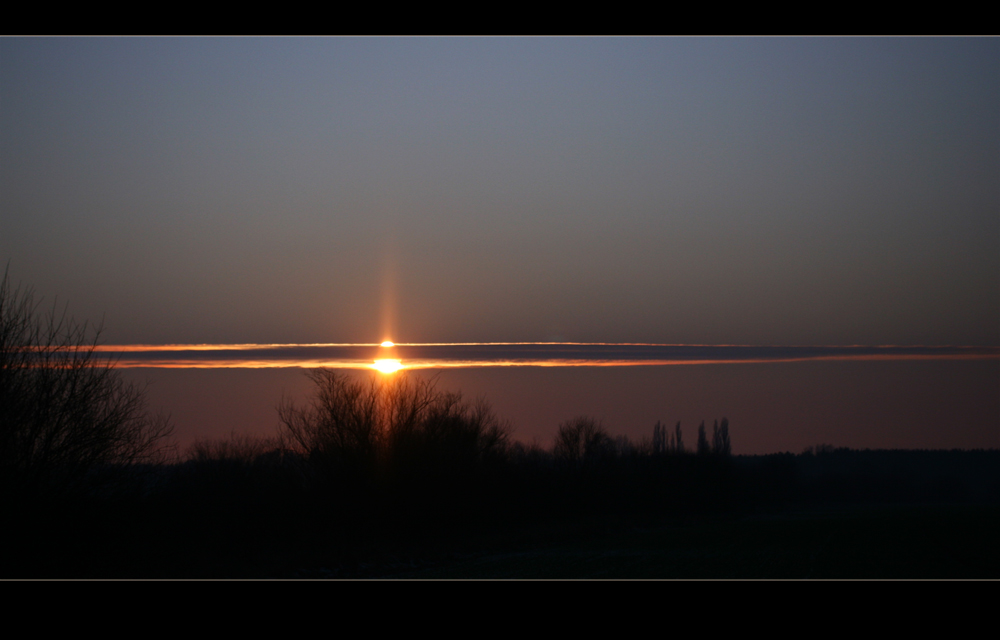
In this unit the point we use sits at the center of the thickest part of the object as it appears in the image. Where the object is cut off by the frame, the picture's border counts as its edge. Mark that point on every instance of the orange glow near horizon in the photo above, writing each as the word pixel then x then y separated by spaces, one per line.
pixel 387 366
pixel 254 356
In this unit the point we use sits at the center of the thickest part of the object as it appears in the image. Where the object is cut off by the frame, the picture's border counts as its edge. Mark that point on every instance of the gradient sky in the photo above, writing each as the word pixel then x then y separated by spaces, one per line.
pixel 680 190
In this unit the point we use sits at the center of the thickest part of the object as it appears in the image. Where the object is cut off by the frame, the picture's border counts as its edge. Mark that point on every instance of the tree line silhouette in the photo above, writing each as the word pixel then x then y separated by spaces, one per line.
pixel 673 443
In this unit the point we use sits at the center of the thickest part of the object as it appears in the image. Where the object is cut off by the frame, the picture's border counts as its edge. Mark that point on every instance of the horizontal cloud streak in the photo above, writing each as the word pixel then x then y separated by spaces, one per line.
pixel 508 354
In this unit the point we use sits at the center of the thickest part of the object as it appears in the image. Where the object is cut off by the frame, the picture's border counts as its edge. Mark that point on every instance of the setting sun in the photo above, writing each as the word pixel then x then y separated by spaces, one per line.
pixel 388 343
pixel 388 366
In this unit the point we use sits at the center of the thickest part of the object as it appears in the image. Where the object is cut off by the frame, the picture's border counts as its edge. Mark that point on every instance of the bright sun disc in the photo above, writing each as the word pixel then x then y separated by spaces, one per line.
pixel 388 343
pixel 388 366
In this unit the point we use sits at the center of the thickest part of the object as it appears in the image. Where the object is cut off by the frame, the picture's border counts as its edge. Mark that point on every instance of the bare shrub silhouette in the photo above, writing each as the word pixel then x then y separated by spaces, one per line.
pixel 69 423
pixel 241 472
pixel 819 449
pixel 390 425
pixel 582 439
pixel 239 447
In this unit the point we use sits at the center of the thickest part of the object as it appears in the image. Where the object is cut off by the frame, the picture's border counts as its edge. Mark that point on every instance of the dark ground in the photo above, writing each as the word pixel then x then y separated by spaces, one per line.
pixel 887 542
pixel 835 514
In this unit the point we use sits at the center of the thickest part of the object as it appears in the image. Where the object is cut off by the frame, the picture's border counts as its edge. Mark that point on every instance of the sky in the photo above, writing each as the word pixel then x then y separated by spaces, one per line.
pixel 771 192
pixel 762 191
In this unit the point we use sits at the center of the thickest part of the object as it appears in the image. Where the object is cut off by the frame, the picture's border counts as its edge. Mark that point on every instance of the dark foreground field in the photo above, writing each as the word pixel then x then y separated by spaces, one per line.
pixel 833 514
pixel 887 542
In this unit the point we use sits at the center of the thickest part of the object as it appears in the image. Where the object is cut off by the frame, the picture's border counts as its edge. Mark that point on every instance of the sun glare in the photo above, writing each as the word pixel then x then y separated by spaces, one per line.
pixel 388 343
pixel 388 366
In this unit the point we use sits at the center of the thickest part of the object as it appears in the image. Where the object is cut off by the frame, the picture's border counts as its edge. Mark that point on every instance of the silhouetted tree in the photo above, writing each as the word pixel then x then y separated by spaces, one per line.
pixel 68 420
pixel 720 438
pixel 582 439
pixel 659 439
pixel 677 446
pixel 703 448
